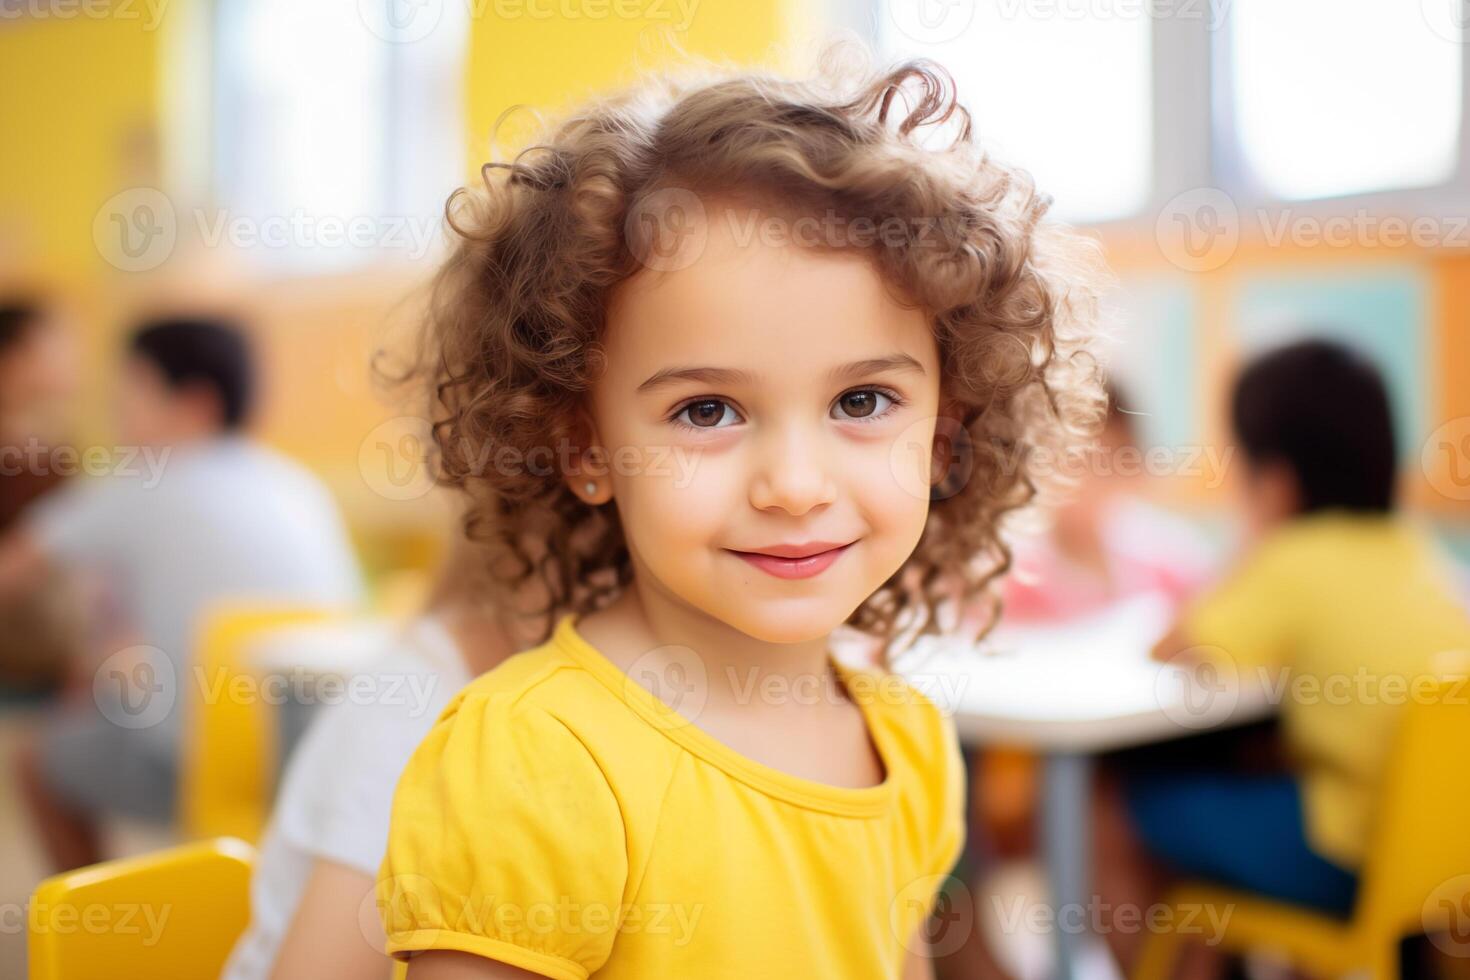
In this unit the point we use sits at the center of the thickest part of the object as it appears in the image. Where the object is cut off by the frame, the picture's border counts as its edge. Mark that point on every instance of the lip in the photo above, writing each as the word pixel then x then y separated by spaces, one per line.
pixel 795 561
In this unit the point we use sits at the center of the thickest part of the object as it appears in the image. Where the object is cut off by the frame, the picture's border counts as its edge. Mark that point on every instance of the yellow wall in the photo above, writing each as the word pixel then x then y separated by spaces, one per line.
pixel 547 63
pixel 78 100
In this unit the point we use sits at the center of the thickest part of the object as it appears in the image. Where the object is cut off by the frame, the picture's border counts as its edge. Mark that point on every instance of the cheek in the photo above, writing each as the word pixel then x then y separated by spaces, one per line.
pixel 673 498
pixel 897 509
pixel 890 483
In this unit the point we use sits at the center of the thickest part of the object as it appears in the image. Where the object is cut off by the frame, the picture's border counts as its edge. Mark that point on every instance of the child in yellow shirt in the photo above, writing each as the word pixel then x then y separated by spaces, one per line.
pixel 728 363
pixel 1342 610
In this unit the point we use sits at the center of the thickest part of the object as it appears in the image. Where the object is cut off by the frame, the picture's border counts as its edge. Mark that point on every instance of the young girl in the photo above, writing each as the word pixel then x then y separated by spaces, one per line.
pixel 755 361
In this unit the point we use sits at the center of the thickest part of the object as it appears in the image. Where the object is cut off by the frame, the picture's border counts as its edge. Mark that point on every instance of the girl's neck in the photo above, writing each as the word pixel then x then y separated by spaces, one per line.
pixel 646 630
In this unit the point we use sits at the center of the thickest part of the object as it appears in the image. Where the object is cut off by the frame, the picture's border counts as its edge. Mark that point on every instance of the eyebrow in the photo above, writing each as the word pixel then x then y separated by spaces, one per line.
pixel 733 376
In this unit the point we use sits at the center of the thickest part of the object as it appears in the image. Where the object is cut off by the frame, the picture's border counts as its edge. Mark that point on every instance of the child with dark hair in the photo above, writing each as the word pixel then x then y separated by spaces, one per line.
pixel 1338 596
pixel 209 358
pixel 189 513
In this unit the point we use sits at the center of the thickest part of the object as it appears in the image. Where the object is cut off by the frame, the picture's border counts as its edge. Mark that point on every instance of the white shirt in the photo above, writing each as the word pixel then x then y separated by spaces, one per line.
pixel 337 792
pixel 175 530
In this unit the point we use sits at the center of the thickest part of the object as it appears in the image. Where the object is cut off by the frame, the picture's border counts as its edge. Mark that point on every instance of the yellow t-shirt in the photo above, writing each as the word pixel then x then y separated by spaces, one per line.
pixel 1344 617
pixel 562 819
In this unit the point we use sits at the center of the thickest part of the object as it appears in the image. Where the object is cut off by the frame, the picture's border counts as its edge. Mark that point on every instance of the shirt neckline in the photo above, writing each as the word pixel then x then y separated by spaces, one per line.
pixel 856 801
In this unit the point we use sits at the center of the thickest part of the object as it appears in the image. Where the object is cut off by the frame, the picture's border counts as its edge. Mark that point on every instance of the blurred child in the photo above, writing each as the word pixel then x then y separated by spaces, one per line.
pixel 1336 590
pixel 329 827
pixel 1107 541
pixel 682 781
pixel 39 628
pixel 1104 544
pixel 192 512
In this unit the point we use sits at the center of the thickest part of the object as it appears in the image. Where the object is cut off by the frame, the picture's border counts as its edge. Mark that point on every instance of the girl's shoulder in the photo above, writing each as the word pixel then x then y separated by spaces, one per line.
pixel 923 754
pixel 546 705
pixel 919 730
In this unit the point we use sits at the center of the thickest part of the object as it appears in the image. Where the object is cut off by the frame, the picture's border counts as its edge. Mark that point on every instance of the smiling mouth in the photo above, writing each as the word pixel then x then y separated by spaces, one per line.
pixel 796 566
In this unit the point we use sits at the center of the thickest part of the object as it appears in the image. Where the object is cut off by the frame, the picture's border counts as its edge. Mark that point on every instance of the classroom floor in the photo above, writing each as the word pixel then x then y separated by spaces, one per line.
pixel 18 850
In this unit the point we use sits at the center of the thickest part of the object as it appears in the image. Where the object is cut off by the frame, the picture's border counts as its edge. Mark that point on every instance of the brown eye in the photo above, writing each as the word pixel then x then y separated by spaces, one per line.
pixel 709 413
pixel 860 404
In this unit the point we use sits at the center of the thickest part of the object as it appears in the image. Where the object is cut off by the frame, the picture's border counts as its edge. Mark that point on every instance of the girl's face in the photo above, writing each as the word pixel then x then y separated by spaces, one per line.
pixel 766 398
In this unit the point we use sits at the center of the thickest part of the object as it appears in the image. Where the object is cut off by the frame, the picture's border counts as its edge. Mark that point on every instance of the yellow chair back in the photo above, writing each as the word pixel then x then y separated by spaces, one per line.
pixel 228 766
pixel 1415 879
pixel 176 914
pixel 1421 838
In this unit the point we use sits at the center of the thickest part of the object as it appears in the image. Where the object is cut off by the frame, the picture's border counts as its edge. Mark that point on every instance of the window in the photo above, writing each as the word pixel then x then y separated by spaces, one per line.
pixel 335 142
pixel 1061 91
pixel 1335 97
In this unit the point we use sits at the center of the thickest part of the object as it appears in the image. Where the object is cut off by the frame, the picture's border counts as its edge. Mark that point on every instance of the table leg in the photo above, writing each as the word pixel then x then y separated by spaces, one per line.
pixel 1066 849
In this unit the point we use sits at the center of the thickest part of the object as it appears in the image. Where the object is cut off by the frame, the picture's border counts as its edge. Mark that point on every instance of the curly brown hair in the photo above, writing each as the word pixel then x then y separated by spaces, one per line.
pixel 517 311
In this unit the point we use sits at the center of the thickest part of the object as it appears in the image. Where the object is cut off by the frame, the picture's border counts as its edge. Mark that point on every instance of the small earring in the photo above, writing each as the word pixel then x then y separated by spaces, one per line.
pixel 591 488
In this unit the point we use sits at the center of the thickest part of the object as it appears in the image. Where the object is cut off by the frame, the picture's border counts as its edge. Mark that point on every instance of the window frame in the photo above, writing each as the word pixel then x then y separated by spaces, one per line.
pixel 1195 141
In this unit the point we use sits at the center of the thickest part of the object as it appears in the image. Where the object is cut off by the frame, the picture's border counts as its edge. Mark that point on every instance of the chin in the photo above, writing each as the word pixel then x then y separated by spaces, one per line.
pixel 788 622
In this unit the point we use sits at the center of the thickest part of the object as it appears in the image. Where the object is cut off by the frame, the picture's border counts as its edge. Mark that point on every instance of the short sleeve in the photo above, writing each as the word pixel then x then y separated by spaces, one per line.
pixel 1249 615
pixel 337 793
pixel 506 842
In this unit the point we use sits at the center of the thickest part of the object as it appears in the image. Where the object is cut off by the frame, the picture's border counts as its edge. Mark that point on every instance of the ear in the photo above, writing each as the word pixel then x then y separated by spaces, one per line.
pixel 1280 488
pixel 586 471
pixel 951 459
pixel 202 402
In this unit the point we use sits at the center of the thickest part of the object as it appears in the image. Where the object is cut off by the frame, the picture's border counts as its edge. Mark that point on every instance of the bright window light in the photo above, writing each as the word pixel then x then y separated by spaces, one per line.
pixel 1063 95
pixel 348 139
pixel 1339 97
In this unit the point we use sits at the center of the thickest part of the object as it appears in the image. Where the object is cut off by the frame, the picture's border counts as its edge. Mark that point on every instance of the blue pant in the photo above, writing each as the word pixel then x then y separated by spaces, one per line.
pixel 1245 831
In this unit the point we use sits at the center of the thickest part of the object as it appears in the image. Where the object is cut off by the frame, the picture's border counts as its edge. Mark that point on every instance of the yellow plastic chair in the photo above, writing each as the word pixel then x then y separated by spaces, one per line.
pixel 1415 879
pixel 175 914
pixel 228 765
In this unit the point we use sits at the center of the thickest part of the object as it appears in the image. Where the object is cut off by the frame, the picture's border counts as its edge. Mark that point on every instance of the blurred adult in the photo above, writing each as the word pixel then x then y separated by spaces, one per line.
pixel 191 512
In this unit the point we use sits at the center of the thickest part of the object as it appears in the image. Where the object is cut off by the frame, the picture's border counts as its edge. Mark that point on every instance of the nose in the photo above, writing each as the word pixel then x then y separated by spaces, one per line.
pixel 792 472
